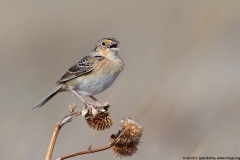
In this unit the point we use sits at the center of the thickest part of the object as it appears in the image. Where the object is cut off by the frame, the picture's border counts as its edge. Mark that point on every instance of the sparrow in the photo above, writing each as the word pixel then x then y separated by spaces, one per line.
pixel 92 74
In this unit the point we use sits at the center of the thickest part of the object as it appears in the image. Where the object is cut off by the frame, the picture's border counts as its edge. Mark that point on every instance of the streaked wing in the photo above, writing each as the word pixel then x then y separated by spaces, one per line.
pixel 84 66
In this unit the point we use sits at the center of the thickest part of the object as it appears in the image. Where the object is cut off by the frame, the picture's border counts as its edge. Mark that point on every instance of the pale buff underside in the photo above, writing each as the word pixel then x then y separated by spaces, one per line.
pixel 99 79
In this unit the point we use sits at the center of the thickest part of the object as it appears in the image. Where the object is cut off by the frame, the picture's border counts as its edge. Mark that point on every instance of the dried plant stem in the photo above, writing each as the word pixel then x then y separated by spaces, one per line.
pixel 93 150
pixel 86 152
pixel 59 125
pixel 52 142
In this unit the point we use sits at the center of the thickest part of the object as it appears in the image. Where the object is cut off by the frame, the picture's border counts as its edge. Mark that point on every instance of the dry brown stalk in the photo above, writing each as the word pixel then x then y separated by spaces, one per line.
pixel 93 150
pixel 59 125
pixel 52 142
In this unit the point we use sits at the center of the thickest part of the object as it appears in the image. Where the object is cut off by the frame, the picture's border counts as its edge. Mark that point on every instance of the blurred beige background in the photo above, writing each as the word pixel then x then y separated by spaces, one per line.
pixel 181 80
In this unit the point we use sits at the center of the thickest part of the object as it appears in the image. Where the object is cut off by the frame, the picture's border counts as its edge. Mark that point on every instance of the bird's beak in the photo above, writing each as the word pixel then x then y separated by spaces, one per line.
pixel 114 47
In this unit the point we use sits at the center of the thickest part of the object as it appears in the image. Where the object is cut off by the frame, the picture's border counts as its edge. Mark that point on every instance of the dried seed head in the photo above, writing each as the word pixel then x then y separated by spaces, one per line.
pixel 132 131
pixel 125 150
pixel 101 121
pixel 130 135
pixel 98 117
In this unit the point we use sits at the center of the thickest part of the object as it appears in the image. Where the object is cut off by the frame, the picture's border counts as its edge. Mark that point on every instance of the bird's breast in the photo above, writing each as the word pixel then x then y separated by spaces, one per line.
pixel 101 78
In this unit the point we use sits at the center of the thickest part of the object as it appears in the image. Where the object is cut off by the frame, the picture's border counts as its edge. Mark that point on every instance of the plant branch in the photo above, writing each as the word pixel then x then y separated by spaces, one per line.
pixel 93 150
pixel 52 142
pixel 58 127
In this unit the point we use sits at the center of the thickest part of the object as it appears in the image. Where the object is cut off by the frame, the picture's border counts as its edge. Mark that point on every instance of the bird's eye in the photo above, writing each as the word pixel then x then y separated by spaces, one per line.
pixel 103 44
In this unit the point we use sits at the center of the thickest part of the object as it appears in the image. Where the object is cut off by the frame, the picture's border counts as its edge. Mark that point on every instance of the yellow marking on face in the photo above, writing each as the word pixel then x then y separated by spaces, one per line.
pixel 106 40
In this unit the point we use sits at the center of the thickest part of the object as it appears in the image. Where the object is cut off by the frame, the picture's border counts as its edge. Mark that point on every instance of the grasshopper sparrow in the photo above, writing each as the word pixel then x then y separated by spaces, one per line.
pixel 92 74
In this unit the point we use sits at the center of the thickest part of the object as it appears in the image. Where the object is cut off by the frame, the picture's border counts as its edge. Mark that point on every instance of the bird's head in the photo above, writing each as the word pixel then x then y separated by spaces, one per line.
pixel 107 47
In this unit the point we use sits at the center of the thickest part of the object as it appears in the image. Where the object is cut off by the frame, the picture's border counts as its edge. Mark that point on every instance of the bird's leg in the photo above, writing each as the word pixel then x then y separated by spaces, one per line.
pixel 81 98
pixel 76 94
pixel 98 103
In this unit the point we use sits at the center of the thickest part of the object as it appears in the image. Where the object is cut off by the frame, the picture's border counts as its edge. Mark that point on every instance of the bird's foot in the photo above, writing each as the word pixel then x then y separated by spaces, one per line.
pixel 97 104
pixel 89 104
pixel 93 110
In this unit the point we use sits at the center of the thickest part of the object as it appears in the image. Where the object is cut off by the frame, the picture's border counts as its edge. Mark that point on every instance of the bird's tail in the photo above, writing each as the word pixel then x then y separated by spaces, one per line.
pixel 48 97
